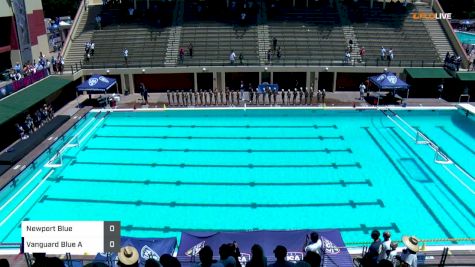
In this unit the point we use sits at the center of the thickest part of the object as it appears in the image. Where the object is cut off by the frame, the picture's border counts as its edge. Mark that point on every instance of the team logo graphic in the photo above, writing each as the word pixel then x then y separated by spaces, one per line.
pixel 392 79
pixel 92 81
pixel 381 77
pixel 103 79
pixel 294 256
pixel 195 249
pixel 329 247
pixel 244 258
pixel 147 253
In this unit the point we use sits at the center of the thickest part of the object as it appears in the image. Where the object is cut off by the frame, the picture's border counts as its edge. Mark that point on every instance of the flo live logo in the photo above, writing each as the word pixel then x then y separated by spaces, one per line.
pixel 431 16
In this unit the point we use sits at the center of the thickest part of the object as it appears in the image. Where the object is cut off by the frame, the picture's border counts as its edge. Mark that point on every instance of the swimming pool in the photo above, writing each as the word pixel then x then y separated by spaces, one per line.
pixel 163 172
pixel 465 37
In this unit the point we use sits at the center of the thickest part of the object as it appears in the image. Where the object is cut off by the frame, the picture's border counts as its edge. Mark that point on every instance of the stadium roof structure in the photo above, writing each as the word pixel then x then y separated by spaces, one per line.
pixel 428 73
pixel 16 103
pixel 466 76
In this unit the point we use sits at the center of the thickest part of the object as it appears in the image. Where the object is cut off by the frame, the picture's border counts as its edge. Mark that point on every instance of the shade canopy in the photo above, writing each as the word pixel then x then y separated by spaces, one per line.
pixel 428 73
pixel 97 83
pixel 388 81
pixel 466 76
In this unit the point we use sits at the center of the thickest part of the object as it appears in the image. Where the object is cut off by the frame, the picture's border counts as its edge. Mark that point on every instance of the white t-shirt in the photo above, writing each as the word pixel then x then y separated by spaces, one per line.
pixel 315 247
pixel 385 246
pixel 410 259
pixel 232 57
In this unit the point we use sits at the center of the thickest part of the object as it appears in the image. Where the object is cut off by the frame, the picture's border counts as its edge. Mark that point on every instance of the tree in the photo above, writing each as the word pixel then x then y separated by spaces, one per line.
pixel 60 8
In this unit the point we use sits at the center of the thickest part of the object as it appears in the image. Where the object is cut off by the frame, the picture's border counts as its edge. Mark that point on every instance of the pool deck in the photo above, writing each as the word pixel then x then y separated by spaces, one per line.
pixel 337 99
pixel 457 257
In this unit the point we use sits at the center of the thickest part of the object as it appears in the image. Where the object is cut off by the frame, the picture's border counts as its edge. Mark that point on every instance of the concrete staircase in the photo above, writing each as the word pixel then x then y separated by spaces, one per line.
pixel 83 33
pixel 171 56
pixel 348 31
pixel 263 43
pixel 436 33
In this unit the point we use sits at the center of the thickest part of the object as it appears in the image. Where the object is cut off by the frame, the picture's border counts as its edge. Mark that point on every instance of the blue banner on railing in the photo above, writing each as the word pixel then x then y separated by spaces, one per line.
pixel 148 248
pixel 18 85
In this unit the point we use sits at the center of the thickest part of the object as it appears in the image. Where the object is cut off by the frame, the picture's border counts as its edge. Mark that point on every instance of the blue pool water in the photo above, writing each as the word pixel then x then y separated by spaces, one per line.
pixel 466 38
pixel 163 172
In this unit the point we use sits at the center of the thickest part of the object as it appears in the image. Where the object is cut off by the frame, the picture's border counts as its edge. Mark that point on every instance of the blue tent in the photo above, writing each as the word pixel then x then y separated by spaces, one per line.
pixel 97 83
pixel 388 81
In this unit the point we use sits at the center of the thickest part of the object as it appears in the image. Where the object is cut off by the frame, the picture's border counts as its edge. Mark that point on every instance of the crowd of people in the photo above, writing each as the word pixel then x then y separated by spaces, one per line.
pixel 452 62
pixel 19 71
pixel 250 96
pixel 381 253
pixel 32 123
pixel 89 50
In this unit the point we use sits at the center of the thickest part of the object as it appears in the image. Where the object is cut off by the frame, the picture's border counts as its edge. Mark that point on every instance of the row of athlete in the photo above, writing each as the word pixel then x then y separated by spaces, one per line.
pixel 235 97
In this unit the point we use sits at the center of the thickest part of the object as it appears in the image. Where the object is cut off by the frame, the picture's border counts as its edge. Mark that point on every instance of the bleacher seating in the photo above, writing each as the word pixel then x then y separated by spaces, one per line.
pixel 392 28
pixel 146 46
pixel 308 36
pixel 213 42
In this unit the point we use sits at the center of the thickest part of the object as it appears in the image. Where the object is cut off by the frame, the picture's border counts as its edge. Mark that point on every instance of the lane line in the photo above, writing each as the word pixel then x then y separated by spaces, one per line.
pixel 21 189
pixel 26 198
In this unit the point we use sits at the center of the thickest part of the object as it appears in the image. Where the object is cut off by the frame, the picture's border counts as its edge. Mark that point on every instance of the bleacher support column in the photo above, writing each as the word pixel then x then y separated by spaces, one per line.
pixel 384 4
pixel 148 4
pixel 271 77
pixel 315 83
pixel 123 84
pixel 131 83
pixel 308 79
pixel 195 81
pixel 371 4
pixel 215 81
pixel 223 81
pixel 260 77
pixel 334 81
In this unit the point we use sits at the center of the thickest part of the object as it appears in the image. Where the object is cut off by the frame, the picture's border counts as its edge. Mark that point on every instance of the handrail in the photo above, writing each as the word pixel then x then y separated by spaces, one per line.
pixel 451 35
pixel 77 17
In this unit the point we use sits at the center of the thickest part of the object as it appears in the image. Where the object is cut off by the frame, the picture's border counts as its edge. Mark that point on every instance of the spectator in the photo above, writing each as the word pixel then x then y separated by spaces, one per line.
pixel 383 52
pixel 257 259
pixel 166 260
pixel 362 90
pixel 274 44
pixel 313 243
pixel 206 258
pixel 390 54
pixel 362 53
pixel 4 263
pixel 385 248
pixel 409 255
pixel 280 253
pixel 371 257
pixel 269 56
pixel 241 89
pixel 126 56
pixel 128 256
pixel 279 53
pixel 324 93
pixel 190 50
pixel 313 259
pixel 181 55
pixel 98 22
pixel 232 57
pixel 151 263
pixel 225 257
pixel 241 58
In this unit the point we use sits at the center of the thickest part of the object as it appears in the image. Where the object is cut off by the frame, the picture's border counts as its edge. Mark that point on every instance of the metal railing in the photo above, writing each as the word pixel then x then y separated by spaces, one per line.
pixel 68 41
pixel 247 63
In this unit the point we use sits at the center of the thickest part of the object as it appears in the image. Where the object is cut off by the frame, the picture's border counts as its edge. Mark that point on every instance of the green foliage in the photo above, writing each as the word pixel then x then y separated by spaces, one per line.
pixel 460 9
pixel 59 8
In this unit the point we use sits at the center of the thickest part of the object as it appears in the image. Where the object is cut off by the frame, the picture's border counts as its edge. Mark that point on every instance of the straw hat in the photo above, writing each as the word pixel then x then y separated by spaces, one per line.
pixel 128 255
pixel 411 242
